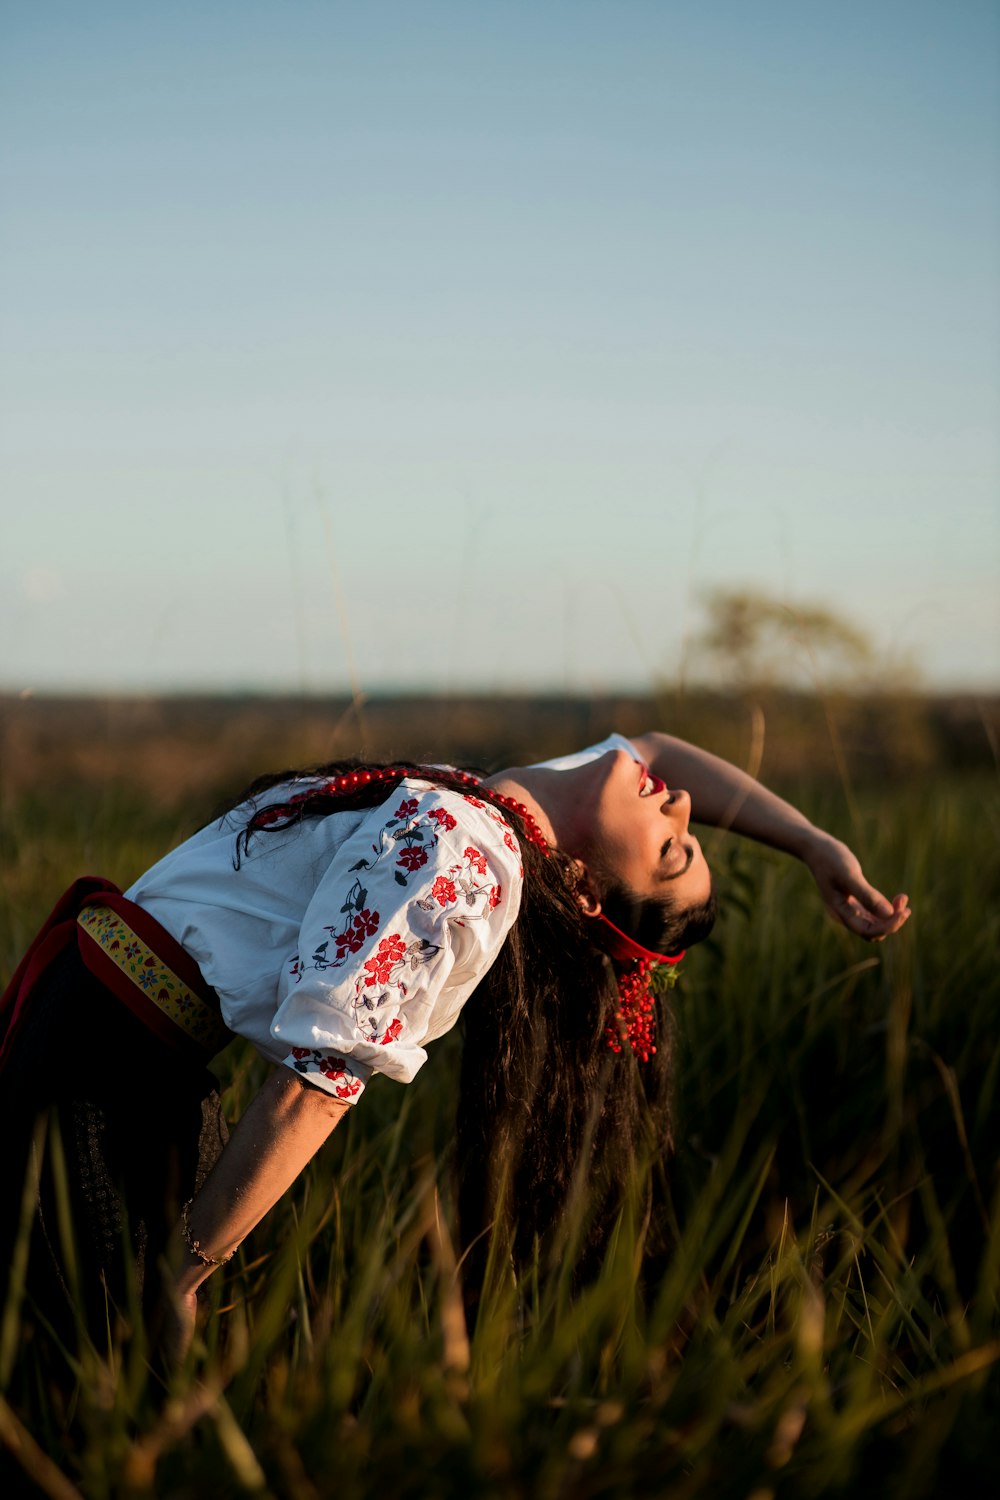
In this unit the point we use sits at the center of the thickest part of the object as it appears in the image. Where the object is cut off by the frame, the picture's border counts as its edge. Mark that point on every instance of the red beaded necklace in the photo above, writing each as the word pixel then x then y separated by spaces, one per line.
pixel 633 1021
pixel 531 827
pixel 352 781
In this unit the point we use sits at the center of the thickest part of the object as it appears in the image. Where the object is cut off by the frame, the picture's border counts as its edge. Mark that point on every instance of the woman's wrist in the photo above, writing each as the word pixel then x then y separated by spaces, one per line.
pixel 807 842
pixel 187 1280
pixel 189 1271
pixel 192 1258
pixel 196 1248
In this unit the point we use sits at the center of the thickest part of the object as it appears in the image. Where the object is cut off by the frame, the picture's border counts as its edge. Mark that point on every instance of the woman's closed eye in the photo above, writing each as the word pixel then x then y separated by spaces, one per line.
pixel 669 855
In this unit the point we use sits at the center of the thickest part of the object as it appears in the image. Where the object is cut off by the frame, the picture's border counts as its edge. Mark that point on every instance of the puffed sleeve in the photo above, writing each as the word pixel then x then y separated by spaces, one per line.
pixel 404 923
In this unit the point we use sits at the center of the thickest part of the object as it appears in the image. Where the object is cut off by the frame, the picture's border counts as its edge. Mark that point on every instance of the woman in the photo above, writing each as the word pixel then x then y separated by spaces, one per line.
pixel 341 919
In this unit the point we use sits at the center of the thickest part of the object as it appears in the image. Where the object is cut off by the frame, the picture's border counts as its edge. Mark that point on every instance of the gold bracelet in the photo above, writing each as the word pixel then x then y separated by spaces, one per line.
pixel 195 1245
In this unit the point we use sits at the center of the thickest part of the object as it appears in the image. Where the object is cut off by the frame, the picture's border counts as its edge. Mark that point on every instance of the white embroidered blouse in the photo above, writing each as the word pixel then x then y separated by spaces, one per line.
pixel 344 944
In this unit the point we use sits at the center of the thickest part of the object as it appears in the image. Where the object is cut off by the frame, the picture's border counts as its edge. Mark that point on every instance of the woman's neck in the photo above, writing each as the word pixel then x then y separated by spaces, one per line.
pixel 540 790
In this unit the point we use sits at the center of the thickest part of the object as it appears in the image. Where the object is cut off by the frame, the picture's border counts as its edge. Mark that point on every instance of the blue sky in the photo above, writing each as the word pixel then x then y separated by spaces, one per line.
pixel 468 345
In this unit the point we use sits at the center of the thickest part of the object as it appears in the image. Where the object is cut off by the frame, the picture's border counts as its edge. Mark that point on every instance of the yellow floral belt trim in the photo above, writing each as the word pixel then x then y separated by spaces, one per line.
pixel 156 980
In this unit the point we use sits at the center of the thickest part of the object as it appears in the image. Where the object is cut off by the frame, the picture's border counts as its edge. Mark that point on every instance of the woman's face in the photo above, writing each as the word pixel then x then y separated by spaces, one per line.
pixel 634 832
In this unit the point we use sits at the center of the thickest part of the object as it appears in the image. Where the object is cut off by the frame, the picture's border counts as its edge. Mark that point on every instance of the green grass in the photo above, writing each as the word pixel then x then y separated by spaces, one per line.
pixel 825 1324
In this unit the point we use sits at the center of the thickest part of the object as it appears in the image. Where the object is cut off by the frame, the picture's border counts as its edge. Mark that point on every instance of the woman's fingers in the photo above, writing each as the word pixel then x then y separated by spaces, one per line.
pixel 876 917
pixel 871 899
pixel 849 896
pixel 859 918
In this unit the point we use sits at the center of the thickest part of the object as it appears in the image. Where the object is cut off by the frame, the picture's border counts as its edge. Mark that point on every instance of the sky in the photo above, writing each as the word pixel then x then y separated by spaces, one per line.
pixel 470 346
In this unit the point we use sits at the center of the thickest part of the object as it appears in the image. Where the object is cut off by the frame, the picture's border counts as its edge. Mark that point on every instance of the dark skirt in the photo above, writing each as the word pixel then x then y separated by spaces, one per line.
pixel 139 1128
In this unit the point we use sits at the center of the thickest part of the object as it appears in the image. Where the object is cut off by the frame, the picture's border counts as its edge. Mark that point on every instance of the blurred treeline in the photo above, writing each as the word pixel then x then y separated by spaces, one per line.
pixel 188 752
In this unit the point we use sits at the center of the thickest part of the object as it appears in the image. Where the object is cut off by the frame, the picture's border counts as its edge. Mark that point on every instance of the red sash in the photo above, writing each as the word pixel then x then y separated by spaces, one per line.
pixel 133 957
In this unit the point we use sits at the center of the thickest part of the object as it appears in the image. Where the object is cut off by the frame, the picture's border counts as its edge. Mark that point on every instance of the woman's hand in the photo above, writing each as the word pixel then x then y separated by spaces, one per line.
pixel 847 894
pixel 281 1129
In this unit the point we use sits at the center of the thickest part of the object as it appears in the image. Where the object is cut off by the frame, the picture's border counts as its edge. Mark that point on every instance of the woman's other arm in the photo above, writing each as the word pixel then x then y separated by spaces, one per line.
pixel 282 1129
pixel 725 797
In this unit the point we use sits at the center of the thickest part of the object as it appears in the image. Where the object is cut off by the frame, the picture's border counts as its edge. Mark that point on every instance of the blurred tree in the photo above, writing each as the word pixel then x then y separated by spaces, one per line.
pixel 753 640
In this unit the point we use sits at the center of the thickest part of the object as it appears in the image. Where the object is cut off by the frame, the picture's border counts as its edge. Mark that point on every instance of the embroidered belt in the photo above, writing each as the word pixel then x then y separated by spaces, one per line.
pixel 133 957
pixel 152 977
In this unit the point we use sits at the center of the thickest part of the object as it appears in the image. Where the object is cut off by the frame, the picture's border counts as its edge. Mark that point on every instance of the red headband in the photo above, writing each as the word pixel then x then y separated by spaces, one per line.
pixel 618 945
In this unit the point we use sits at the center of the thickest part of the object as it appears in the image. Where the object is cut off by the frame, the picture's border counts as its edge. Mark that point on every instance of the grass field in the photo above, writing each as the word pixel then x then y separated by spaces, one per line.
pixel 826 1323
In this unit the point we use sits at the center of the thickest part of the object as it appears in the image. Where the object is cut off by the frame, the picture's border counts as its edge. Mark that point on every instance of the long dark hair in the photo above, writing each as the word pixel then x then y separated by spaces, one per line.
pixel 544 1105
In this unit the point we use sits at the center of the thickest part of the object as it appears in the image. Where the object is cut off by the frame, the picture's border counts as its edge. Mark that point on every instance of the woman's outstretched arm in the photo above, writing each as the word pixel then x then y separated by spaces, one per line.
pixel 283 1127
pixel 725 797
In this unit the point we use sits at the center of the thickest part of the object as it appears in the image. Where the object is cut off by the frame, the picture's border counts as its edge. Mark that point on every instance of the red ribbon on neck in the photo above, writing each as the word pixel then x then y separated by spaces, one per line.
pixel 618 945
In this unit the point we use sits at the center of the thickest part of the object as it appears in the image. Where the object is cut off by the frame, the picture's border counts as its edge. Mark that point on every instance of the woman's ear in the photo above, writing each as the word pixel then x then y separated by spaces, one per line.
pixel 587 898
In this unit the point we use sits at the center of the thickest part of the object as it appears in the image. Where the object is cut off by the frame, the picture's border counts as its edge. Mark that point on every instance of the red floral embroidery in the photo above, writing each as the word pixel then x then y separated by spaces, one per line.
pixel 406 853
pixel 412 858
pixel 352 939
pixel 390 950
pixel 331 1066
pixel 443 890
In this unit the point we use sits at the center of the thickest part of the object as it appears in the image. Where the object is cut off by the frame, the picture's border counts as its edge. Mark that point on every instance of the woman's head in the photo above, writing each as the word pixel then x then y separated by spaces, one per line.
pixel 636 858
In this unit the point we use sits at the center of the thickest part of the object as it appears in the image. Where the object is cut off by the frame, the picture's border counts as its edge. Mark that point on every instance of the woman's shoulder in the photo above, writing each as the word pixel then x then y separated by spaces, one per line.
pixel 454 815
pixel 588 753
